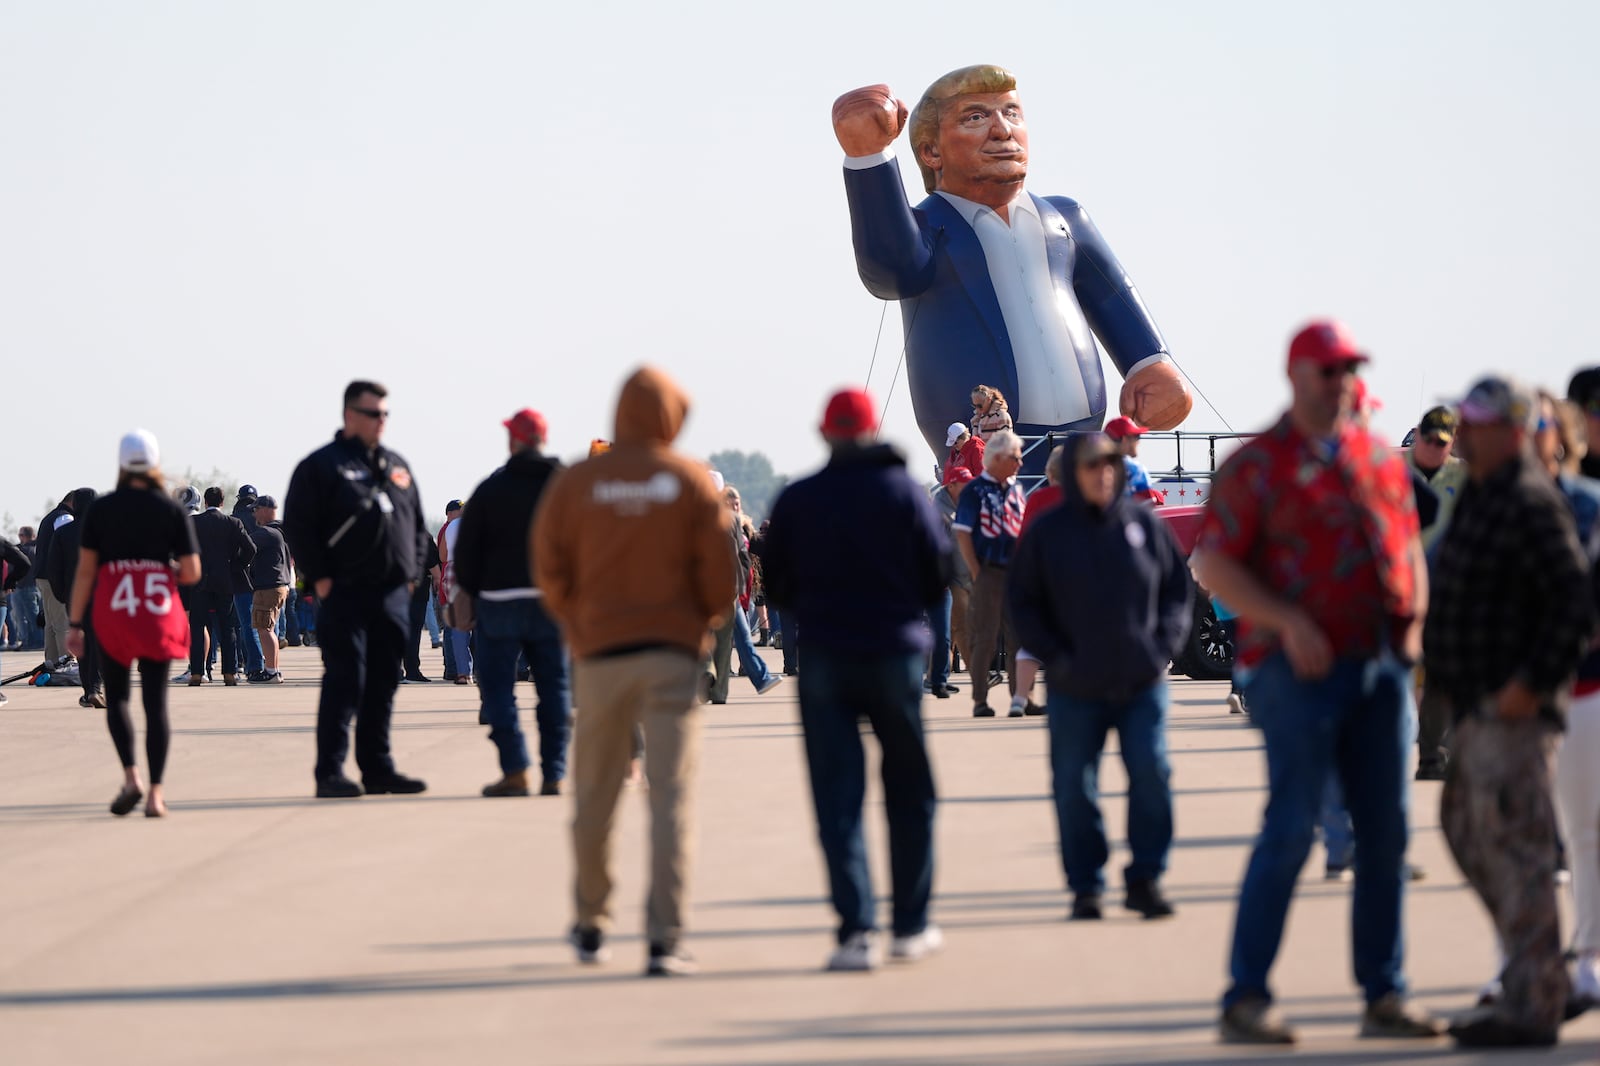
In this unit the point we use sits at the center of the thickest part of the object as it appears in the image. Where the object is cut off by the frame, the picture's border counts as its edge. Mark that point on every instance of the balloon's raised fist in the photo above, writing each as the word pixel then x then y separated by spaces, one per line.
pixel 867 120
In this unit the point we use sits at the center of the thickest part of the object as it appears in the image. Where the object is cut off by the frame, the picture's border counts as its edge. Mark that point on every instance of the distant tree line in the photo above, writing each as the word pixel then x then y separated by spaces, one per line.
pixel 752 474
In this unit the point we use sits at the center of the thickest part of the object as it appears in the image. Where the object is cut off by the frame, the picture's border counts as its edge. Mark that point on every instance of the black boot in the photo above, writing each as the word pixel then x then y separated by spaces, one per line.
pixel 1146 898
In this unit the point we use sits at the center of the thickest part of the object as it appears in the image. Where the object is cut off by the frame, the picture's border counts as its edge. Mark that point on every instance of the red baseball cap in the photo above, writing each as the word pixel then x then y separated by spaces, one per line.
pixel 1326 343
pixel 527 426
pixel 957 475
pixel 1123 426
pixel 849 414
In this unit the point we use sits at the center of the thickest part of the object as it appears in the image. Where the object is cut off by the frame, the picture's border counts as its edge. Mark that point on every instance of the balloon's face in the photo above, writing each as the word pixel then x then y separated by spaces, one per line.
pixel 982 151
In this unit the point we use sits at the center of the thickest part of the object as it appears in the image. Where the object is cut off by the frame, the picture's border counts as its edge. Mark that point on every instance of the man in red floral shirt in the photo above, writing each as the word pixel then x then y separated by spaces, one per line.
pixel 1311 535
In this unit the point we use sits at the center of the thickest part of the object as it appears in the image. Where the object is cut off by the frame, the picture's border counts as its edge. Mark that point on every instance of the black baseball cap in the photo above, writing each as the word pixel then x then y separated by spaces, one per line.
pixel 453 505
pixel 1438 422
pixel 1584 388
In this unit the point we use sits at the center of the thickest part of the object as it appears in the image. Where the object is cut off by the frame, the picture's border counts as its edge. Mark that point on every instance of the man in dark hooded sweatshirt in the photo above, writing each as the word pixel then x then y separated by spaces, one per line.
pixel 862 613
pixel 1099 591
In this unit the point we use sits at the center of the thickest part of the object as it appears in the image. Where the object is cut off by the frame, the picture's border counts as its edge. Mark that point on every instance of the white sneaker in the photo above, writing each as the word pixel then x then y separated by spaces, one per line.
pixel 1235 703
pixel 181 679
pixel 1586 982
pixel 857 954
pixel 772 682
pixel 917 945
pixel 1018 705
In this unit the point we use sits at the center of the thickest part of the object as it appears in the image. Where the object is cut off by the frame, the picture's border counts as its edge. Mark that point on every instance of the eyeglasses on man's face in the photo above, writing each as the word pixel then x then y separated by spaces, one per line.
pixel 1339 370
pixel 375 413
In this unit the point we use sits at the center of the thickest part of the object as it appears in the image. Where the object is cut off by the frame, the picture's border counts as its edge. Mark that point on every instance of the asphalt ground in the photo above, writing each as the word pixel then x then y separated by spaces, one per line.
pixel 257 925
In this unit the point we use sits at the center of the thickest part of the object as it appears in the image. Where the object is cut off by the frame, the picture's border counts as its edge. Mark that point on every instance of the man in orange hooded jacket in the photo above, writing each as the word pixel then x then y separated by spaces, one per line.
pixel 633 551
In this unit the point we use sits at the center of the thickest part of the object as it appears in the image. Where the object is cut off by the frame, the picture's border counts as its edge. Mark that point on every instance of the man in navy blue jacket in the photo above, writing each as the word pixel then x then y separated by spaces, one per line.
pixel 858 553
pixel 1100 593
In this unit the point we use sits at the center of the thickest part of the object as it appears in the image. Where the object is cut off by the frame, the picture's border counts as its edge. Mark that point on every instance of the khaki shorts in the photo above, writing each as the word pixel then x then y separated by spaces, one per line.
pixel 266 605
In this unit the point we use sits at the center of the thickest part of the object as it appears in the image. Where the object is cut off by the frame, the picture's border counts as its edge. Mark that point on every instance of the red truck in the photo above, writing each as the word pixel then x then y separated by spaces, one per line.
pixel 1208 654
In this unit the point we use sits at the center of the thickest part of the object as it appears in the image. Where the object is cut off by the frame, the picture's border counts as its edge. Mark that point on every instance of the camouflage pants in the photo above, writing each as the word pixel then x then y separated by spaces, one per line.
pixel 1500 821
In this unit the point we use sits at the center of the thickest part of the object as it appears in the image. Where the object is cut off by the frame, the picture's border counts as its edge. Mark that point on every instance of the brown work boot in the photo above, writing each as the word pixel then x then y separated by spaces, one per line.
pixel 1252 1020
pixel 510 785
pixel 1393 1018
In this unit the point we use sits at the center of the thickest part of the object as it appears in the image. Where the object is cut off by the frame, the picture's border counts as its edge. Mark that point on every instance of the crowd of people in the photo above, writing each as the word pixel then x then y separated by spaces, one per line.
pixel 625 586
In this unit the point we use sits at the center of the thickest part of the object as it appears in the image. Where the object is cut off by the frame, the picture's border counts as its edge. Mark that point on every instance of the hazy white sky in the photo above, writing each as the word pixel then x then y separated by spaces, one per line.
pixel 213 214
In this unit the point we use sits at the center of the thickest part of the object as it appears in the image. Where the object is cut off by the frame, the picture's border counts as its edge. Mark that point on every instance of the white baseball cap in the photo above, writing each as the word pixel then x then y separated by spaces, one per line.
pixel 139 452
pixel 954 433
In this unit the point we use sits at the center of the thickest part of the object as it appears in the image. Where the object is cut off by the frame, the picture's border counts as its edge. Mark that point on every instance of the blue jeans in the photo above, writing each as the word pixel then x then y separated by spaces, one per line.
pixel 459 641
pixel 751 665
pixel 431 621
pixel 939 658
pixel 505 630
pixel 249 639
pixel 836 690
pixel 1355 723
pixel 1338 836
pixel 1078 729
pixel 27 605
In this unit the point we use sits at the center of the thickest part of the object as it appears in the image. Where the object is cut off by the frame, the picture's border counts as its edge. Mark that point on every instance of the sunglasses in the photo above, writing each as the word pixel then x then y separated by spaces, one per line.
pixel 1339 370
pixel 370 412
pixel 1099 462
pixel 1437 442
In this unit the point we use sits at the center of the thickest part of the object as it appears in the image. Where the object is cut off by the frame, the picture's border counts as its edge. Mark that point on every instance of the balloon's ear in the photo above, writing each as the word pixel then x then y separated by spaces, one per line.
pixel 929 154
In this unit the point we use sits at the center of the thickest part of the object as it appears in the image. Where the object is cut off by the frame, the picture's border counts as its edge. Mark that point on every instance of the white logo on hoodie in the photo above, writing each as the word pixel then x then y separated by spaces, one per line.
pixel 634 496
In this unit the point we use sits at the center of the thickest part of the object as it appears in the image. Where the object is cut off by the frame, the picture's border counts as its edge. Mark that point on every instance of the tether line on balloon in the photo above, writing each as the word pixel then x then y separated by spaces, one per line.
pixel 906 343
pixel 1123 296
pixel 1202 395
pixel 875 342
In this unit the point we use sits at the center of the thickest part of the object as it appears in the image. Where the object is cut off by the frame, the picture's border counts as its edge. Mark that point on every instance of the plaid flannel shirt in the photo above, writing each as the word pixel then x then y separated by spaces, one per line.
pixel 1511 593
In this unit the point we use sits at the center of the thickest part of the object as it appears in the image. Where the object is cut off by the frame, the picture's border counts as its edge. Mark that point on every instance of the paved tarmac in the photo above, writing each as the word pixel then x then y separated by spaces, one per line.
pixel 257 926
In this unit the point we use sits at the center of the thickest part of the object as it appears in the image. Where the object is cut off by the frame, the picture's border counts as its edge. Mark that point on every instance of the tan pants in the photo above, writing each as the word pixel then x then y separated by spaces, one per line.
pixel 987 620
pixel 655 690
pixel 55 622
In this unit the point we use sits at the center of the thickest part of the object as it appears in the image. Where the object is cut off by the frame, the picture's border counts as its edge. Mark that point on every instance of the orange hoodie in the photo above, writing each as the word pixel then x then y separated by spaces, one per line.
pixel 633 547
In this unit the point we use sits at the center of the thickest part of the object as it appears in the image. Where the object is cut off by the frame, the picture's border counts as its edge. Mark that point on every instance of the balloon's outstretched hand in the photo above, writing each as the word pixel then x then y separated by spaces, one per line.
pixel 1156 397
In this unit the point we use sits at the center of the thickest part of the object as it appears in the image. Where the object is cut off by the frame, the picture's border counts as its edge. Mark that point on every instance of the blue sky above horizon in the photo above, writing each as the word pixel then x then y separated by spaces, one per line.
pixel 216 214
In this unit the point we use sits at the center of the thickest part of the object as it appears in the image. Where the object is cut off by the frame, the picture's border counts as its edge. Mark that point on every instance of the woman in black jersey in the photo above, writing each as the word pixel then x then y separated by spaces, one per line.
pixel 134 544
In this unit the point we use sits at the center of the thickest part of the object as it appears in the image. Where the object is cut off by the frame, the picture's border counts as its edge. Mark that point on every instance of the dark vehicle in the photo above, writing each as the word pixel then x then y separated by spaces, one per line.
pixel 1208 654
